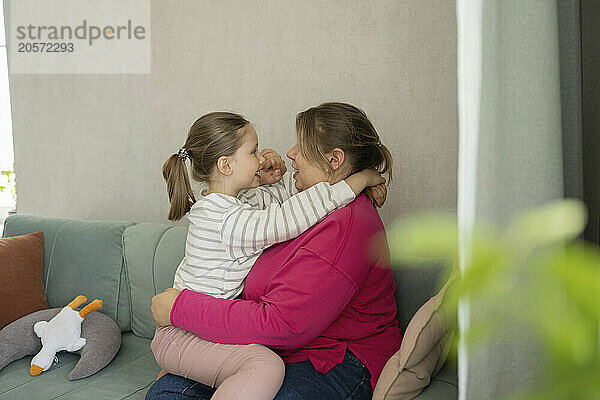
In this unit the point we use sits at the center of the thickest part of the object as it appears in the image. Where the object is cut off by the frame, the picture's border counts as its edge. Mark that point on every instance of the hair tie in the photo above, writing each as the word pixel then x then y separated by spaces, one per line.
pixel 183 154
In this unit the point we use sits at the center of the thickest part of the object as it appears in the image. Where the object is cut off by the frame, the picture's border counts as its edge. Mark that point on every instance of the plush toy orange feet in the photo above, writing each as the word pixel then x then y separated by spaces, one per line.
pixel 63 332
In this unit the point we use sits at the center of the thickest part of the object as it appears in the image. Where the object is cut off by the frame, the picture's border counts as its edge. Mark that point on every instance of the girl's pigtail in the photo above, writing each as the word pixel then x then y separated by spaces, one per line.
pixel 179 188
pixel 211 136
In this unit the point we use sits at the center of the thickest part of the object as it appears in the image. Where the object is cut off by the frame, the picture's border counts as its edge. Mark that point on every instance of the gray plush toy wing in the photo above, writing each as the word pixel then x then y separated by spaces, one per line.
pixel 18 339
pixel 103 336
pixel 103 342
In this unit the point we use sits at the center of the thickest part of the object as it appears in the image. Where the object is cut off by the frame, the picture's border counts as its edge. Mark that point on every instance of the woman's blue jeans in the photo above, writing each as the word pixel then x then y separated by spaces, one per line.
pixel 349 380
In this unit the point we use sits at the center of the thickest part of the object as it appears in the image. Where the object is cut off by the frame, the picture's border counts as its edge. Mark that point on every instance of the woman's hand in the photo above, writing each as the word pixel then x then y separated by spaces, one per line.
pixel 162 304
pixel 272 168
pixel 363 179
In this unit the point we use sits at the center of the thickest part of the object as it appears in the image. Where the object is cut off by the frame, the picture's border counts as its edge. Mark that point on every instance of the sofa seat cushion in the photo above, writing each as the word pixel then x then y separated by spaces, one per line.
pixel 129 375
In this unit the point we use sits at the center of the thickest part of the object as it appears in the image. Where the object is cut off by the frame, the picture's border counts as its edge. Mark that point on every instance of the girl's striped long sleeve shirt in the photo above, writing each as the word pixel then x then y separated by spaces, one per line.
pixel 226 234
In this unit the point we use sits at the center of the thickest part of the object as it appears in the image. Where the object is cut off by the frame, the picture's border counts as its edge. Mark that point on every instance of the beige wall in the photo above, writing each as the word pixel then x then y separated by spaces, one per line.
pixel 92 146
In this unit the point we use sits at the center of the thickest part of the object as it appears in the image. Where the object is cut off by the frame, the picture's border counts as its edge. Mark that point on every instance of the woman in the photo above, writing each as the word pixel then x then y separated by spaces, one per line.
pixel 322 300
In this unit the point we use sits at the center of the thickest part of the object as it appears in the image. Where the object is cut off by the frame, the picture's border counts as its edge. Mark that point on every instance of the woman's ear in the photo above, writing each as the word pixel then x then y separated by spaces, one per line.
pixel 336 158
pixel 224 166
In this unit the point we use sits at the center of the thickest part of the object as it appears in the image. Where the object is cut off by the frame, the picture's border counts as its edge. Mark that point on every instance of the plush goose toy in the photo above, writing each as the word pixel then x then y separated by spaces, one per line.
pixel 63 332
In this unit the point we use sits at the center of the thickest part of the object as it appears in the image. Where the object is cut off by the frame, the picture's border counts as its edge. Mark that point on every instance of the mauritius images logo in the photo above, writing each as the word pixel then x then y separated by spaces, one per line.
pixel 80 36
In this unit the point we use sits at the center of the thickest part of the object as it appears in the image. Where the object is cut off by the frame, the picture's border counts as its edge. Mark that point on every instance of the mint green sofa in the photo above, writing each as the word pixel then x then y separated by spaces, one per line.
pixel 125 264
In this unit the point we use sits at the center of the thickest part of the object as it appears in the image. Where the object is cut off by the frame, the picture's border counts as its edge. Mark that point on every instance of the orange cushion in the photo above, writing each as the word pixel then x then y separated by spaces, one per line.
pixel 21 277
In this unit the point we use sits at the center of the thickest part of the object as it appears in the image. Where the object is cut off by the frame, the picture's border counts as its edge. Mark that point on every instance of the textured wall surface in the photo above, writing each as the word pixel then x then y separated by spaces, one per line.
pixel 91 146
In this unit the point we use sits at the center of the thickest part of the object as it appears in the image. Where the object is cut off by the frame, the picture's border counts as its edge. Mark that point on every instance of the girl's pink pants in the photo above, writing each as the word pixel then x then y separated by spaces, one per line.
pixel 249 371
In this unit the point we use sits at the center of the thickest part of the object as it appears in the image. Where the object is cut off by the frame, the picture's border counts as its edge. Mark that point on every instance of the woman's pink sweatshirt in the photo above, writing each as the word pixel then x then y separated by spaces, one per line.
pixel 310 298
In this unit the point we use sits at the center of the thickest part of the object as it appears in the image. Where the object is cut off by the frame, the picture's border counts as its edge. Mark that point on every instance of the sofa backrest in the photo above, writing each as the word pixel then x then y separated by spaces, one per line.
pixel 81 257
pixel 152 254
pixel 126 263
pixel 415 285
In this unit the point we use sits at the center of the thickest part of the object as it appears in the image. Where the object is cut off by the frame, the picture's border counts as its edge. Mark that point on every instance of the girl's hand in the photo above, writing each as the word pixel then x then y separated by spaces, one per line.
pixel 161 307
pixel 379 194
pixel 272 168
pixel 363 179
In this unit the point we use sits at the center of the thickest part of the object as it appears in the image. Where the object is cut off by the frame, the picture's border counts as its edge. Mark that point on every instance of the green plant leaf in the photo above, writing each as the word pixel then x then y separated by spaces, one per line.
pixel 552 223
pixel 577 268
pixel 525 275
pixel 424 238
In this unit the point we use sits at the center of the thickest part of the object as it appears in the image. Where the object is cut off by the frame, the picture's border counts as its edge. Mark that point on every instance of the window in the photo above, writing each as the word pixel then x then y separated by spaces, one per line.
pixel 7 201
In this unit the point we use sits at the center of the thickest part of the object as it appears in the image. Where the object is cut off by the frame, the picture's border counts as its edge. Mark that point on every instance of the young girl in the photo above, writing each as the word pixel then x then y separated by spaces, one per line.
pixel 230 225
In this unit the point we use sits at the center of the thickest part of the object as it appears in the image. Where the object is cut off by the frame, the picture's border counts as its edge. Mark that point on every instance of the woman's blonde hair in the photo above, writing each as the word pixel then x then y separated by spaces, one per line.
pixel 340 125
pixel 212 136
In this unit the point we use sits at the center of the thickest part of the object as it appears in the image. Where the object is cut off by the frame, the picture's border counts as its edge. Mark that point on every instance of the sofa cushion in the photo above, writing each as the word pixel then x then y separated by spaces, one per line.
pixel 152 254
pixel 129 375
pixel 21 224
pixel 443 386
pixel 81 257
pixel 21 277
pixel 422 352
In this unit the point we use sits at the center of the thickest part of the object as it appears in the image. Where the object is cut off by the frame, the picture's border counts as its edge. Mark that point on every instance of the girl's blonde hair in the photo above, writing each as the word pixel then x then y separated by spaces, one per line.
pixel 212 136
pixel 339 125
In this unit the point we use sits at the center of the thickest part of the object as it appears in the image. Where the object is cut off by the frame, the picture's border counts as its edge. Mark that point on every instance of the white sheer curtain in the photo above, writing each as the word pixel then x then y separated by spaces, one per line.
pixel 6 144
pixel 468 14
